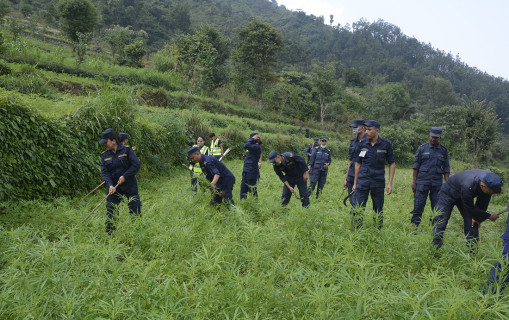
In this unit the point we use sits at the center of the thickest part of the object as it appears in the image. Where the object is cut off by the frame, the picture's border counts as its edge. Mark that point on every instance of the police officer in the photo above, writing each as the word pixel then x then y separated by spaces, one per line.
pixel 358 131
pixel 124 139
pixel 216 146
pixel 119 165
pixel 252 165
pixel 370 157
pixel 500 269
pixel 195 167
pixel 460 190
pixel 430 164
pixel 292 170
pixel 221 179
pixel 318 167
pixel 311 147
pixel 307 132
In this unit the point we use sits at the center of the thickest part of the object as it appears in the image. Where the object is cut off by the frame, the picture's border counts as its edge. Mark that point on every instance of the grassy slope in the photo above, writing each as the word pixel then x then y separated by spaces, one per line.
pixel 184 259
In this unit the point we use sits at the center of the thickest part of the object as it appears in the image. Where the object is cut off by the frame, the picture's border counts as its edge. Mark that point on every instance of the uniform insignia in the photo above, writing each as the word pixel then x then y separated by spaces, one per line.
pixel 425 153
pixel 383 151
pixel 123 155
pixel 107 159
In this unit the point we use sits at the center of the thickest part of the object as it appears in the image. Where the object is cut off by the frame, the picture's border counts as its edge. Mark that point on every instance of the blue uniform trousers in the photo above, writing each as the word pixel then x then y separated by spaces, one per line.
pixel 421 194
pixel 223 192
pixel 112 202
pixel 360 199
pixel 500 269
pixel 303 191
pixel 248 186
pixel 317 176
pixel 444 208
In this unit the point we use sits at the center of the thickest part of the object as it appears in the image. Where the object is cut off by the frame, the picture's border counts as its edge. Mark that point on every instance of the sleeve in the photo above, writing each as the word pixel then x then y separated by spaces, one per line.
pixel 301 162
pixel 351 151
pixel 477 211
pixel 250 145
pixel 134 164
pixel 417 159
pixel 447 168
pixel 308 150
pixel 211 167
pixel 329 159
pixel 355 157
pixel 390 153
pixel 281 176
pixel 313 158
pixel 106 175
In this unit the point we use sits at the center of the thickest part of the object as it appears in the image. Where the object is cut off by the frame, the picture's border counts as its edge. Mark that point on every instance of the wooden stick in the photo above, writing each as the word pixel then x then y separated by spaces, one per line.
pixel 90 193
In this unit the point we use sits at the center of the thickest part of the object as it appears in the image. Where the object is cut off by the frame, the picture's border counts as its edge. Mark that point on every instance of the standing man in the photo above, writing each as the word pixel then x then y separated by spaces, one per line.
pixel 216 146
pixel 295 172
pixel 307 132
pixel 318 167
pixel 221 179
pixel 252 165
pixel 119 165
pixel 430 164
pixel 311 147
pixel 460 190
pixel 370 157
pixel 358 131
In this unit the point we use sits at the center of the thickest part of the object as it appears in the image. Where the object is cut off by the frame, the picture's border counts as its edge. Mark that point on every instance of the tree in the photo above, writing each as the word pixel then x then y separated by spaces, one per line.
pixel 118 37
pixel 481 127
pixel 390 102
pixel 134 53
pixel 77 16
pixel 5 8
pixel 325 84
pixel 254 57
pixel 439 92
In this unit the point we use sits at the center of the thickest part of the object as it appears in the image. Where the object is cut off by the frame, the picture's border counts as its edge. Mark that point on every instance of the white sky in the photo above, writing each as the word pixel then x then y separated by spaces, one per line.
pixel 478 31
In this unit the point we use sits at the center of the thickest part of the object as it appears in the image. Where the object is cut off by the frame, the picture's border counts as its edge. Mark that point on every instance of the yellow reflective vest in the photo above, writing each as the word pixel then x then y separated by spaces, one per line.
pixel 215 149
pixel 196 167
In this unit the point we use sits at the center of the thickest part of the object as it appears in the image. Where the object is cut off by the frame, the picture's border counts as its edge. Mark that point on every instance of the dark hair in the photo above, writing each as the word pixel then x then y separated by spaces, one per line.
pixel 200 137
pixel 212 134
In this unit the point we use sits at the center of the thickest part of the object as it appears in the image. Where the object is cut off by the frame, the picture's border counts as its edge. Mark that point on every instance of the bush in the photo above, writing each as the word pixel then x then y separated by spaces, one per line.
pixel 4 68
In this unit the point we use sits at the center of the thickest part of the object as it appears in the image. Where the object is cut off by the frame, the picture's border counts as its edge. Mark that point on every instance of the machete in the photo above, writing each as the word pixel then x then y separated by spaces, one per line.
pixel 348 196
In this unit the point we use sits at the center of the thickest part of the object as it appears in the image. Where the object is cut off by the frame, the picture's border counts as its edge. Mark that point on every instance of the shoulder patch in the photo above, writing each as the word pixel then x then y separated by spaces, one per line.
pixel 108 159
pixel 123 155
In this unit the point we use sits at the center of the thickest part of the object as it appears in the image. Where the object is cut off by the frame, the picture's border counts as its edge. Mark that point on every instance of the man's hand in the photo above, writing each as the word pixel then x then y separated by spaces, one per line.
pixel 305 176
pixel 494 217
pixel 414 186
pixel 354 187
pixel 112 190
pixel 389 189
pixel 259 165
pixel 345 184
pixel 121 180
pixel 325 165
pixel 212 186
pixel 292 190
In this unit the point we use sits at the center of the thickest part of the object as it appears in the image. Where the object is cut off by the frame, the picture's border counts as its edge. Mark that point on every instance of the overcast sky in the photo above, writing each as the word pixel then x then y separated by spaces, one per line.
pixel 478 31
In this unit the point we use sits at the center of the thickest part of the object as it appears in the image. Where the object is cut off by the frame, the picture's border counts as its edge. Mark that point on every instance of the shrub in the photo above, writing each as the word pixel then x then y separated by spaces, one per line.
pixel 4 68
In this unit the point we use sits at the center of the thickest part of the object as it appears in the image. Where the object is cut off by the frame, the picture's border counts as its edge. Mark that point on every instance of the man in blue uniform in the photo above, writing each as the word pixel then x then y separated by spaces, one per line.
pixel 358 131
pixel 370 157
pixel 221 179
pixel 500 268
pixel 318 167
pixel 460 190
pixel 119 165
pixel 252 164
pixel 292 170
pixel 311 147
pixel 430 165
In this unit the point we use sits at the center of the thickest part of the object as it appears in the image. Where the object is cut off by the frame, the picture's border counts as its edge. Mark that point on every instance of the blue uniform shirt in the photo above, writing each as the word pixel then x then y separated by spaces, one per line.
pixel 505 236
pixel 293 167
pixel 212 166
pixel 464 187
pixel 251 170
pixel 122 163
pixel 432 163
pixel 351 156
pixel 319 157
pixel 372 160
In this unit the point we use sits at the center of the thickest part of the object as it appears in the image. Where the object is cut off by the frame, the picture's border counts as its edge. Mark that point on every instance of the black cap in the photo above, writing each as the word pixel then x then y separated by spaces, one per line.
pixel 316 139
pixel 192 150
pixel 107 134
pixel 358 122
pixel 272 156
pixel 253 134
pixel 122 136
pixel 492 181
pixel 324 138
pixel 212 134
pixel 372 123
pixel 435 132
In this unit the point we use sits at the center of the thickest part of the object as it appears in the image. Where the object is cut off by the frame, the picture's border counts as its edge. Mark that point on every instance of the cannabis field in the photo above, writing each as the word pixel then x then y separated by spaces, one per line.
pixel 186 260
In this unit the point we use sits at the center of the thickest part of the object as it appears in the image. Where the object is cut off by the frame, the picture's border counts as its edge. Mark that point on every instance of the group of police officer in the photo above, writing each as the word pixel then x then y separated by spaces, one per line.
pixel 469 190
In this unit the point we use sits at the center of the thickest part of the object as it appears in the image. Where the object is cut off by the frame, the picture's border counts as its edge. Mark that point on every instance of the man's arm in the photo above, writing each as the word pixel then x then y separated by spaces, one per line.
pixel 357 170
pixel 134 164
pixel 345 183
pixel 447 168
pixel 392 170
pixel 281 176
pixel 414 180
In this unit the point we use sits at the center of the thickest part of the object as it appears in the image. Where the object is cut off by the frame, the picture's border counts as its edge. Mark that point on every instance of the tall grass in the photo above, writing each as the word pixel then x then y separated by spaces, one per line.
pixel 185 259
